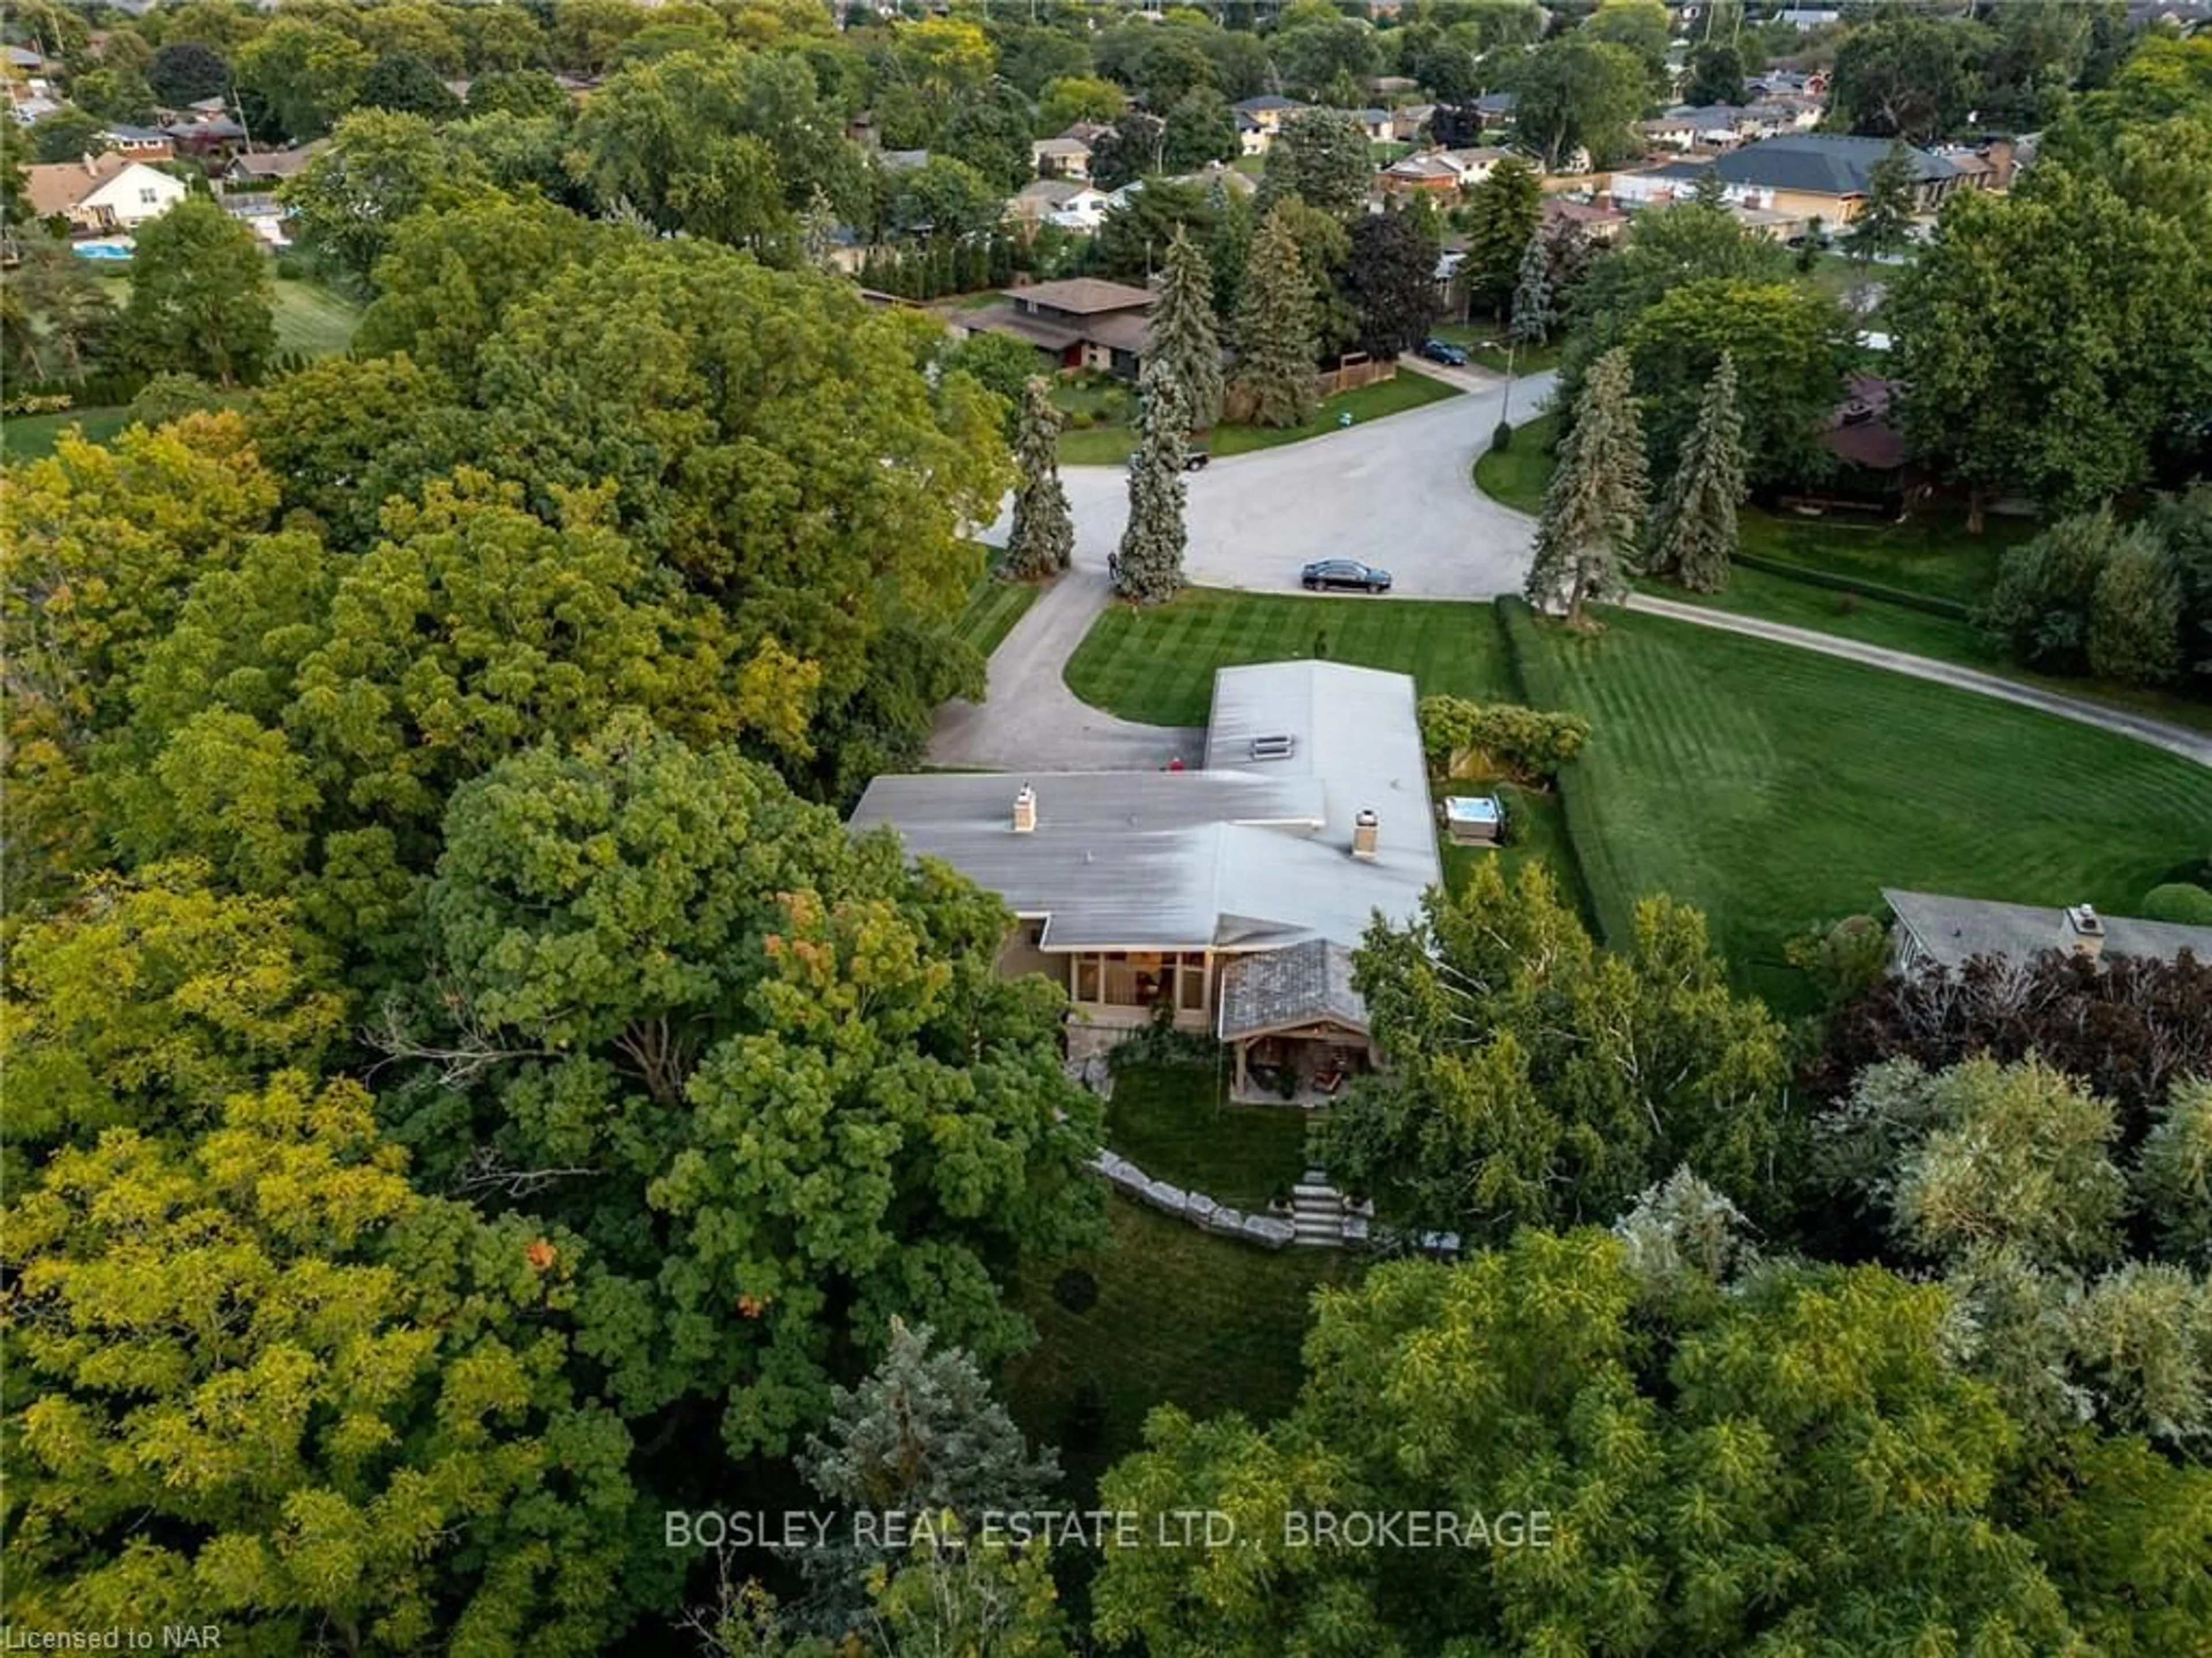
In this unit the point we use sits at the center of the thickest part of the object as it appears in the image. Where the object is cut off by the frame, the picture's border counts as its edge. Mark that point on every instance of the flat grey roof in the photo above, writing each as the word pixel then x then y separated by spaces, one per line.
pixel 1953 931
pixel 1245 854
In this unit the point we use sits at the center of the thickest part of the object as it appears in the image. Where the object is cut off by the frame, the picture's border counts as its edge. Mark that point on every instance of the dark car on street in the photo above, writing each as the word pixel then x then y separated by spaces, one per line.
pixel 1194 460
pixel 1440 351
pixel 1344 576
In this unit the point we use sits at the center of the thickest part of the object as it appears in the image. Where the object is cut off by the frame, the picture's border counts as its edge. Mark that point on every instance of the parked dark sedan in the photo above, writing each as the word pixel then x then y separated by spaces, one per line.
pixel 1440 351
pixel 1194 460
pixel 1344 574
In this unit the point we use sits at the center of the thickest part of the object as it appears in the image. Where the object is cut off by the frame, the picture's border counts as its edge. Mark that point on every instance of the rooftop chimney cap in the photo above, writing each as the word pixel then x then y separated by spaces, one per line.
pixel 1365 830
pixel 2085 920
pixel 1025 811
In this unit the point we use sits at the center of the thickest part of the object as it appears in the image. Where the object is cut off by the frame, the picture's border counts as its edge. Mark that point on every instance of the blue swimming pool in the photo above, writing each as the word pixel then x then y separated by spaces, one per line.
pixel 103 250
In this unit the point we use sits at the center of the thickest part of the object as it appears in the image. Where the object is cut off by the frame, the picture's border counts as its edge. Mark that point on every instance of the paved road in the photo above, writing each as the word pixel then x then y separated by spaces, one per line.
pixel 2159 733
pixel 1393 492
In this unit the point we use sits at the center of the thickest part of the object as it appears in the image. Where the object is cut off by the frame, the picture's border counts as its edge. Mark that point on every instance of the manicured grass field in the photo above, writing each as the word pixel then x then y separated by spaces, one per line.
pixel 1184 1318
pixel 313 319
pixel 1157 666
pixel 1175 1123
pixel 992 610
pixel 1772 788
pixel 1519 475
pixel 32 437
pixel 1109 444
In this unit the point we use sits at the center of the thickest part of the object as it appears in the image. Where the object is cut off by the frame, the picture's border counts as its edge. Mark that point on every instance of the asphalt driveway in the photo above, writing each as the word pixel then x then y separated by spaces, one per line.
pixel 1393 492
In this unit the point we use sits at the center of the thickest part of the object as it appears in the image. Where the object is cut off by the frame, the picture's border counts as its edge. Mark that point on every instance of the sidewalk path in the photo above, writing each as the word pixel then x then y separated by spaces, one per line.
pixel 2159 733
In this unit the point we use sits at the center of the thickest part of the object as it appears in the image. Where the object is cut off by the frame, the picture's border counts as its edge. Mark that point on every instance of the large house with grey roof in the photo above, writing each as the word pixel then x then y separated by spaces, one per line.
pixel 1802 173
pixel 1227 898
pixel 1935 930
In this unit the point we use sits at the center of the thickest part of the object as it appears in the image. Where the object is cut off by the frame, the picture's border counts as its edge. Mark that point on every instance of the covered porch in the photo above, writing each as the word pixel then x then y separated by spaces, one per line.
pixel 1296 1030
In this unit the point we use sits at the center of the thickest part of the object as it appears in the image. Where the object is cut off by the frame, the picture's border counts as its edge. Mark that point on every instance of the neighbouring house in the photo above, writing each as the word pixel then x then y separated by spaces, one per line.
pixel 1862 434
pixel 102 193
pixel 1441 171
pixel 139 144
pixel 1258 120
pixel 1084 322
pixel 24 58
pixel 1931 928
pixel 206 134
pixel 1597 218
pixel 1805 19
pixel 1060 201
pixel 269 166
pixel 1069 155
pixel 264 215
pixel 1495 109
pixel 901 161
pixel 1802 173
pixel 1226 899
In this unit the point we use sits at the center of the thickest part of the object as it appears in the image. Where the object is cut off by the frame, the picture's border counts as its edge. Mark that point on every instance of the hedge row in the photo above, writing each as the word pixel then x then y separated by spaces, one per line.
pixel 1927 604
pixel 1611 904
pixel 116 388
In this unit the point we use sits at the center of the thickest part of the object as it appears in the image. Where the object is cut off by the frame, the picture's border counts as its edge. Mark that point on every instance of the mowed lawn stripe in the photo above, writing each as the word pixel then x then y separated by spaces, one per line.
pixel 1772 788
pixel 1157 666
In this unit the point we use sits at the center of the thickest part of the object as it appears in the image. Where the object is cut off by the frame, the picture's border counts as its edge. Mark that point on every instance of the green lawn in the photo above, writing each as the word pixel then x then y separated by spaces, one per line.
pixel 1772 787
pixel 32 437
pixel 1184 1318
pixel 1110 443
pixel 313 318
pixel 1930 554
pixel 1537 826
pixel 992 610
pixel 1157 665
pixel 1175 1123
pixel 1518 476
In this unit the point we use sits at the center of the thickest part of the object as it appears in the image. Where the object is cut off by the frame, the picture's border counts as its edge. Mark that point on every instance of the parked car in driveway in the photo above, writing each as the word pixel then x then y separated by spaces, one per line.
pixel 1344 574
pixel 1194 460
pixel 1443 352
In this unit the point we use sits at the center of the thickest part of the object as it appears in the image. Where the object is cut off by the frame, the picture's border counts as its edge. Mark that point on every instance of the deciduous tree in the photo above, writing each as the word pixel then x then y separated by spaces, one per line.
pixel 1320 156
pixel 1538 1080
pixel 1391 278
pixel 201 300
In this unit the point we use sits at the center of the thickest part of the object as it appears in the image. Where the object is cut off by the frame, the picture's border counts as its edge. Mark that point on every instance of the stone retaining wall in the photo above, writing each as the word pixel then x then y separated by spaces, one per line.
pixel 1267 1230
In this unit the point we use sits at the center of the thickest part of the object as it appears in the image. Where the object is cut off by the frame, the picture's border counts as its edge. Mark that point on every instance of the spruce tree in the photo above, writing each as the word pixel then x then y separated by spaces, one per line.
pixel 1183 334
pixel 1148 570
pixel 1275 329
pixel 1710 190
pixel 1532 294
pixel 1885 222
pixel 1593 513
pixel 1042 539
pixel 1693 534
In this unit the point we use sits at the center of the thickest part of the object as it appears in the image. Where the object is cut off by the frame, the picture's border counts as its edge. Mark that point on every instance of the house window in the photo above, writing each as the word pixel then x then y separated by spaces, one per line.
pixel 146 196
pixel 1086 978
pixel 1192 985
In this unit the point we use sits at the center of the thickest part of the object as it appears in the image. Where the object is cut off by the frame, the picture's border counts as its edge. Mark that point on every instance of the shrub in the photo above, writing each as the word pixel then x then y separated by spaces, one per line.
pixel 1463 738
pixel 1501 439
pixel 1082 421
pixel 1076 1290
pixel 2180 902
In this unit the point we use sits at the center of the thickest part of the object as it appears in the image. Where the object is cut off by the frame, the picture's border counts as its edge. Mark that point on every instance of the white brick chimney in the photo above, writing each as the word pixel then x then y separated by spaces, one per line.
pixel 2085 932
pixel 1025 811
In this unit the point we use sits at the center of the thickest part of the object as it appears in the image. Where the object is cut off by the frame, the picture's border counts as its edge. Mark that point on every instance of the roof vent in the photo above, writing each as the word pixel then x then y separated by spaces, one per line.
pixel 1274 748
pixel 1025 811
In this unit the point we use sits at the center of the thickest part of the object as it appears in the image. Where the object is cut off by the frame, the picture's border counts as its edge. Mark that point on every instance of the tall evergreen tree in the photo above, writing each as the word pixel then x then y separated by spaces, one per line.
pixel 1594 512
pixel 1148 570
pixel 1710 190
pixel 1693 534
pixel 1532 294
pixel 1042 539
pixel 1502 212
pixel 1275 344
pixel 1183 334
pixel 1885 223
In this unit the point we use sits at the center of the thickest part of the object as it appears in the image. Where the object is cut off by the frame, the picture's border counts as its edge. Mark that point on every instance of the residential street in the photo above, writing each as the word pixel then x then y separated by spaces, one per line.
pixel 1395 492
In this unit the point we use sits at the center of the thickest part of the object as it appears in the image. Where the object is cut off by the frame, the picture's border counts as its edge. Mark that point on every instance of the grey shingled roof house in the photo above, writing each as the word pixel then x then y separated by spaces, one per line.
pixel 1232 895
pixel 1932 928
